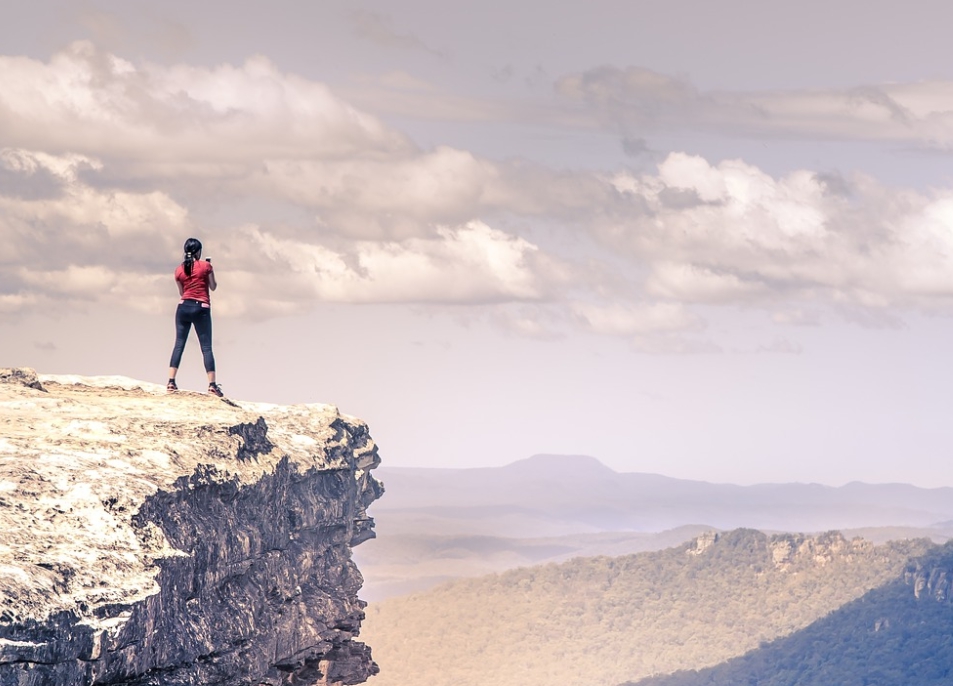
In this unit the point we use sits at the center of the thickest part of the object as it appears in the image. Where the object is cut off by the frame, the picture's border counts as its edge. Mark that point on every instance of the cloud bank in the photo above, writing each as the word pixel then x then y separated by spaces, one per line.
pixel 107 165
pixel 635 98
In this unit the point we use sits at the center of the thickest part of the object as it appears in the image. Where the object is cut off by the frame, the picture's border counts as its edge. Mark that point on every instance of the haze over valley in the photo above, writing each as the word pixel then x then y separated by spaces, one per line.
pixel 438 524
pixel 558 569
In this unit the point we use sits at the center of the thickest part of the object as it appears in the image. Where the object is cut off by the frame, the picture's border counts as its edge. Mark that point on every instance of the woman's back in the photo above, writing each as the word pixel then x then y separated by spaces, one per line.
pixel 194 285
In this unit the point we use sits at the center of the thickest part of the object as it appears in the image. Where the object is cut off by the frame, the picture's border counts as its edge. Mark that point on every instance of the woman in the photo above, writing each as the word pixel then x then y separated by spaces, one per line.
pixel 195 279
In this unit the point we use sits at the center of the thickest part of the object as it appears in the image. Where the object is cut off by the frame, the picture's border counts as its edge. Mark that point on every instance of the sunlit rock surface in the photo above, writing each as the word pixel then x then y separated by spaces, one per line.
pixel 148 538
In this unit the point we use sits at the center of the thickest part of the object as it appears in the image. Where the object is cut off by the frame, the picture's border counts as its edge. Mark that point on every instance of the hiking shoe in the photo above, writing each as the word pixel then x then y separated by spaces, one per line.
pixel 171 387
pixel 215 389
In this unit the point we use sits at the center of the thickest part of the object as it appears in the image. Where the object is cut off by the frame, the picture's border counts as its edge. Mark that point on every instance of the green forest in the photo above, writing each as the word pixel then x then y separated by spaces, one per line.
pixel 611 620
pixel 888 637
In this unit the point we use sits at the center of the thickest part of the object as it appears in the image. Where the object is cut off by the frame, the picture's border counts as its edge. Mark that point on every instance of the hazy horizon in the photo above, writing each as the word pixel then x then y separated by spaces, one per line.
pixel 601 464
pixel 712 241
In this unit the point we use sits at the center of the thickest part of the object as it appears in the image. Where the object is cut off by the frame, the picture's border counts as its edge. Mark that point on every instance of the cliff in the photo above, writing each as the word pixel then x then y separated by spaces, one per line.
pixel 148 538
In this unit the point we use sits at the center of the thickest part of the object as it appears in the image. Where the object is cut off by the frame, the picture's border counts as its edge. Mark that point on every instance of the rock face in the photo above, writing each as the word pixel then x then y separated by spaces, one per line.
pixel 930 580
pixel 148 538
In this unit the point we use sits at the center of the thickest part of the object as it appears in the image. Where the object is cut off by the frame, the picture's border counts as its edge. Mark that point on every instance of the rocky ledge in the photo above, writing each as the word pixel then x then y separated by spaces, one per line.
pixel 149 538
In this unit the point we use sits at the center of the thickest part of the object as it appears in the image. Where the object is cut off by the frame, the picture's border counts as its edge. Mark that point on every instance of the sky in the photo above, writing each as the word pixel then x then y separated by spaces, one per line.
pixel 711 240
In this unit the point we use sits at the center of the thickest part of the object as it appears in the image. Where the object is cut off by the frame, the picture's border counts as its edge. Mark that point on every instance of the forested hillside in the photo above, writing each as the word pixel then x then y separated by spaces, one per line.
pixel 399 564
pixel 599 621
pixel 900 634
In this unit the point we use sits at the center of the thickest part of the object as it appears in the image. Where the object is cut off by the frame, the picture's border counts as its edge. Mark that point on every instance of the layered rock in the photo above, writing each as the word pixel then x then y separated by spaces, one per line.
pixel 149 538
pixel 931 579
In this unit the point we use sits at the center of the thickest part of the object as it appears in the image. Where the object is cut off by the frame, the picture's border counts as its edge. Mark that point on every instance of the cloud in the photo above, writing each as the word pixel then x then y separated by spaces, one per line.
pixel 472 264
pixel 396 196
pixel 49 216
pixel 754 239
pixel 407 195
pixel 635 98
pixel 635 147
pixel 106 166
pixel 90 102
pixel 539 320
pixel 124 151
pixel 76 261
pixel 87 245
pixel 636 319
pixel 398 94
pixel 698 283
pixel 65 242
pixel 252 131
pixel 633 91
pixel 379 29
pixel 105 28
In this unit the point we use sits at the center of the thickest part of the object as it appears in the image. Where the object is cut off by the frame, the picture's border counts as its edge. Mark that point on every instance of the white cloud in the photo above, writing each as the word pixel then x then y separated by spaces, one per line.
pixel 473 263
pixel 392 197
pixel 97 209
pixel 72 221
pixel 252 131
pixel 751 238
pixel 696 283
pixel 406 195
pixel 90 102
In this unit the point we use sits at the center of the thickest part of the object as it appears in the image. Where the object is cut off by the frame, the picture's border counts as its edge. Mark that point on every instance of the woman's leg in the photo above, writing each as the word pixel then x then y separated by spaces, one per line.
pixel 183 325
pixel 203 328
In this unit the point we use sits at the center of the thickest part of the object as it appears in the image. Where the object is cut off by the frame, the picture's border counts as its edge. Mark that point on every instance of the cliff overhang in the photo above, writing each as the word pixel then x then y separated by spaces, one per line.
pixel 153 538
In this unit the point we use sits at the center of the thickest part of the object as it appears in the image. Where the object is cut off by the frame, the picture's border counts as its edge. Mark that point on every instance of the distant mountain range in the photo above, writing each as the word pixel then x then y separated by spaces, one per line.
pixel 702 605
pixel 438 524
pixel 555 495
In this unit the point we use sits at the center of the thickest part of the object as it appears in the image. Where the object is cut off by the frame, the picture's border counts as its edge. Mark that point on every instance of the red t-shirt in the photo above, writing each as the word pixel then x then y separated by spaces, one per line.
pixel 195 287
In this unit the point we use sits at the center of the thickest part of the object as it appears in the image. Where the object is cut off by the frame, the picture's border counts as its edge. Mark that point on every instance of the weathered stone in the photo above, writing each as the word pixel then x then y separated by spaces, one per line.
pixel 23 376
pixel 153 538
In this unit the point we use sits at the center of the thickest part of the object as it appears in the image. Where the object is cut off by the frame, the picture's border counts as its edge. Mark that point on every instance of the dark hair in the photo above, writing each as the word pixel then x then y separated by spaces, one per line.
pixel 192 247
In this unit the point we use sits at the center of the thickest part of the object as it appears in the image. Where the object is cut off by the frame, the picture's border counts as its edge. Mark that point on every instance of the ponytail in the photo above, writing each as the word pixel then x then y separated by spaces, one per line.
pixel 192 248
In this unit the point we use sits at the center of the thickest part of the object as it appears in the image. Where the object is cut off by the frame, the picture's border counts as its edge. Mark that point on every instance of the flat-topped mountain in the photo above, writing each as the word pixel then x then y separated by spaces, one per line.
pixel 555 495
pixel 153 538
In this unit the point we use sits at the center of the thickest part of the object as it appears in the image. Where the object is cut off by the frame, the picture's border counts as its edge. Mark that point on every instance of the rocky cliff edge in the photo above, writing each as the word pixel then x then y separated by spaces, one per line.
pixel 153 538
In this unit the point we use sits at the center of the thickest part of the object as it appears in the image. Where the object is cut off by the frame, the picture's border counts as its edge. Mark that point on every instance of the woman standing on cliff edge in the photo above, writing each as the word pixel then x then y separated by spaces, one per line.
pixel 195 279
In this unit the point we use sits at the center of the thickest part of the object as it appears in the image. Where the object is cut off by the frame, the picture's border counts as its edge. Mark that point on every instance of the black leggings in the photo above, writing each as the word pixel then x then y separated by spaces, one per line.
pixel 191 312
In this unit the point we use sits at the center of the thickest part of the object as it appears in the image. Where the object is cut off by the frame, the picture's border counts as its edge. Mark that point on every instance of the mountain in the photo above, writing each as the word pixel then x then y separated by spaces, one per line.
pixel 439 524
pixel 900 634
pixel 608 620
pixel 555 495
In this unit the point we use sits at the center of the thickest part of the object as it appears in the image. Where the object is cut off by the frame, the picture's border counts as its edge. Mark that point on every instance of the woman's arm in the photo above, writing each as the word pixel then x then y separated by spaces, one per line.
pixel 181 287
pixel 211 281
